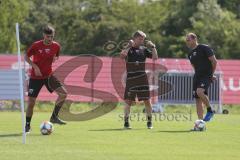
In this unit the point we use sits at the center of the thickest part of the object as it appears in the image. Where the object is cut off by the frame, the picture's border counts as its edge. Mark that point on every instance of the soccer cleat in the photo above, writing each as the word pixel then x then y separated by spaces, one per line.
pixel 195 130
pixel 57 121
pixel 149 125
pixel 127 125
pixel 208 116
pixel 198 129
pixel 27 128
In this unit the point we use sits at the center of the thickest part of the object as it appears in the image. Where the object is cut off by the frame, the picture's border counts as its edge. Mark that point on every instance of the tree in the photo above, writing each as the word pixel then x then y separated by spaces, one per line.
pixel 86 26
pixel 218 28
pixel 177 19
pixel 231 5
pixel 12 11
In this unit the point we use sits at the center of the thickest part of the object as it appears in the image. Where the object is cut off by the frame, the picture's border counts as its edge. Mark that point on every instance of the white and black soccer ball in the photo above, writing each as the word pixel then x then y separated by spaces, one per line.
pixel 199 125
pixel 46 128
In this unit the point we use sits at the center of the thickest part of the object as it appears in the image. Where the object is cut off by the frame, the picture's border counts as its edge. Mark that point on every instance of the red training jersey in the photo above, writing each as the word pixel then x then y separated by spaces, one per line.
pixel 43 57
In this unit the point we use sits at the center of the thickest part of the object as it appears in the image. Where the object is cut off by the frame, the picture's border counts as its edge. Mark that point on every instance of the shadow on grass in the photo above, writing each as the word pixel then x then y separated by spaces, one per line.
pixel 20 134
pixel 182 131
pixel 115 129
pixel 10 135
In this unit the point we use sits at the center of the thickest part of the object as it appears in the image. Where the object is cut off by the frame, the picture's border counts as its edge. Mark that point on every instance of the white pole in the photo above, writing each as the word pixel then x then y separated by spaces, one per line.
pixel 21 83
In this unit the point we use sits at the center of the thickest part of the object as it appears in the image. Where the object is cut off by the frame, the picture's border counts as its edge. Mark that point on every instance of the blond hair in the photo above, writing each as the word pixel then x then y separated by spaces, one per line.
pixel 139 33
pixel 192 35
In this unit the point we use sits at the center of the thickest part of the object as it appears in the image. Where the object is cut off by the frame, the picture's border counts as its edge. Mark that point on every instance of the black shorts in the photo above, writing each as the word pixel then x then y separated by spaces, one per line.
pixel 201 82
pixel 137 86
pixel 35 85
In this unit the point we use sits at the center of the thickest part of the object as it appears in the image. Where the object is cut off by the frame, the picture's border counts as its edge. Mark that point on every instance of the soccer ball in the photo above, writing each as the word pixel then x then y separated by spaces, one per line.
pixel 199 125
pixel 46 128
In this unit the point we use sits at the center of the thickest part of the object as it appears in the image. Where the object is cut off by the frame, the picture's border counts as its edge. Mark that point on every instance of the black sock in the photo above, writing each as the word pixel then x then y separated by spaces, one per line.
pixel 149 118
pixel 56 111
pixel 126 119
pixel 209 109
pixel 28 120
pixel 57 108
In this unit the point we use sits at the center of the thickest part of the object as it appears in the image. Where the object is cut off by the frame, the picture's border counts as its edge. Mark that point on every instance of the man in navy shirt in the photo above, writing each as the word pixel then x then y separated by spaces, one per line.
pixel 204 64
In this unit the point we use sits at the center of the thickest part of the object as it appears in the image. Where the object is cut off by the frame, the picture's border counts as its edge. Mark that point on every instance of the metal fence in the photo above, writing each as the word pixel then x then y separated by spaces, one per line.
pixel 9 84
pixel 181 90
pixel 9 89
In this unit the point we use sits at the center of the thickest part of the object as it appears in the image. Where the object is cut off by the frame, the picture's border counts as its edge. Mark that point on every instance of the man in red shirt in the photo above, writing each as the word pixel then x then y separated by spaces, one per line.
pixel 40 56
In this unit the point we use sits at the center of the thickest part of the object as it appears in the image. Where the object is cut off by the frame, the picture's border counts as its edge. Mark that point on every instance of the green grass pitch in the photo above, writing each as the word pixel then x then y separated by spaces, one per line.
pixel 104 139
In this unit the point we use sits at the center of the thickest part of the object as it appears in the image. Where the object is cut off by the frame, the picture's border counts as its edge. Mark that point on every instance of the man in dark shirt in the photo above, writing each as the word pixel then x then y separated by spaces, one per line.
pixel 137 83
pixel 204 63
